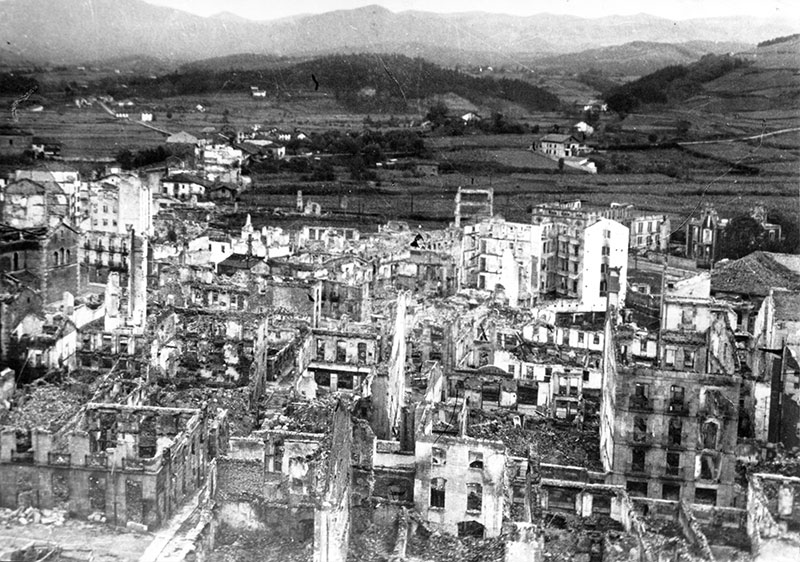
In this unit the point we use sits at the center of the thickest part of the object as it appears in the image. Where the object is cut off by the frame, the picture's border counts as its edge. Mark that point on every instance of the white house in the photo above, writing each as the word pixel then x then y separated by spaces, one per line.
pixel 499 253
pixel 560 146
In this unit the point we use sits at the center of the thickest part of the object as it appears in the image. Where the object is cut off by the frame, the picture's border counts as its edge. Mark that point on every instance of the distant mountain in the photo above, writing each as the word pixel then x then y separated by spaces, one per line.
pixel 134 64
pixel 636 58
pixel 241 61
pixel 70 31
pixel 766 78
pixel 228 16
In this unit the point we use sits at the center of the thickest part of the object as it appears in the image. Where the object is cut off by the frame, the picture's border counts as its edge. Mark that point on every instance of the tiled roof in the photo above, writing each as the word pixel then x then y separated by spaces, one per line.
pixel 553 137
pixel 757 273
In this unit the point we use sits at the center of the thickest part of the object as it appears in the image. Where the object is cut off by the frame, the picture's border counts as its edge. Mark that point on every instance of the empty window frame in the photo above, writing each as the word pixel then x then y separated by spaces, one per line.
pixel 676 398
pixel 474 497
pixel 639 429
pixel 675 432
pixel 673 463
pixel 476 460
pixel 341 352
pixel 438 486
pixel 638 460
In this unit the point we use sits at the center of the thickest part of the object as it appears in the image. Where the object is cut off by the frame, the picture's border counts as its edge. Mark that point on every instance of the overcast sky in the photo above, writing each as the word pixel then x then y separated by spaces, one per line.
pixel 672 9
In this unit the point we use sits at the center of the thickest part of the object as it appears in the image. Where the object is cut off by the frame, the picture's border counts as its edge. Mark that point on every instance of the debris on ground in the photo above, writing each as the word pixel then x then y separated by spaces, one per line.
pixel 43 406
pixel 374 544
pixel 27 515
pixel 231 546
pixel 308 416
pixel 441 547
pixel 558 443
pixel 235 400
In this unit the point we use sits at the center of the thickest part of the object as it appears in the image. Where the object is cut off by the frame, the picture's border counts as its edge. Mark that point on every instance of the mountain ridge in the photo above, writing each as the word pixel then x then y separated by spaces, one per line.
pixel 74 31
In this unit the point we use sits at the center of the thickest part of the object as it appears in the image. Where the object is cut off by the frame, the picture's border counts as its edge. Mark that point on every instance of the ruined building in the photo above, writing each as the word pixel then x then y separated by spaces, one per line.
pixel 129 463
pixel 670 424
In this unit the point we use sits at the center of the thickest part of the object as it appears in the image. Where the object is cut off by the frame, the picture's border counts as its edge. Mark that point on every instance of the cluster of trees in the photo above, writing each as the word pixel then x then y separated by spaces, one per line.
pixel 672 83
pixel 368 83
pixel 131 159
pixel 369 142
pixel 777 40
pixel 16 84
pixel 497 124
pixel 357 152
pixel 744 235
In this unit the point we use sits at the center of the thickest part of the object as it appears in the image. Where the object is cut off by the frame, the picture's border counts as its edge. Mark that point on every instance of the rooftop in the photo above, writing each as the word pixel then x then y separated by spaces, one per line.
pixel 553 137
pixel 757 273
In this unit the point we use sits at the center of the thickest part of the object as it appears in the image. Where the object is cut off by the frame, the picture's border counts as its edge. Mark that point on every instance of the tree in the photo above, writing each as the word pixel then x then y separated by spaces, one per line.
pixel 437 113
pixel 372 154
pixel 790 232
pixel 742 236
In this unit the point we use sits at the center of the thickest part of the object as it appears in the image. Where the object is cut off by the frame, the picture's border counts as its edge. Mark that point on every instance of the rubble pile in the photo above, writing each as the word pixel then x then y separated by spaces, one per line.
pixel 438 547
pixel 235 400
pixel 97 517
pixel 231 546
pixel 557 443
pixel 373 545
pixel 785 464
pixel 44 406
pixel 314 416
pixel 28 515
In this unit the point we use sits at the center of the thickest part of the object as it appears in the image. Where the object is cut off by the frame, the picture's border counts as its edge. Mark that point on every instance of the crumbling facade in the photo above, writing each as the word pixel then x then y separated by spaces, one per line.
pixel 129 463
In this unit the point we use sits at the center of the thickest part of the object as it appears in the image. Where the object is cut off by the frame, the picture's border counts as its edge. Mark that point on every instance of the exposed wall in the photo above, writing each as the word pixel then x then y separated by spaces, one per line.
pixel 332 516
pixel 454 467
pixel 130 464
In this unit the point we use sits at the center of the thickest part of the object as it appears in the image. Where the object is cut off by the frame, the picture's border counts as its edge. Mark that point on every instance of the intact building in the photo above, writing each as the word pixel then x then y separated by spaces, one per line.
pixel 496 253
pixel 584 256
pixel 118 207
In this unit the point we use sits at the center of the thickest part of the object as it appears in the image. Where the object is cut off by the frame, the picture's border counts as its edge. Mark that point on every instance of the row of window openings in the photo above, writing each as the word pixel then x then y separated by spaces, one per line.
pixel 671 353
pixel 474 495
pixel 234 300
pixel 641 398
pixel 672 492
pixel 709 468
pixel 105 222
pixel 60 257
pixel 484 247
pixel 648 240
pixel 439 458
pixel 548 374
pixel 112 247
pixel 564 248
pixel 709 432
pixel 122 343
pixel 650 227
pixel 341 352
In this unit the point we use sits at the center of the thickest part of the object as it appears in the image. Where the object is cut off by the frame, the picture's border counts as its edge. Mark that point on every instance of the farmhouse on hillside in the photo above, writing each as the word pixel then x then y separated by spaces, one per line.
pixel 560 146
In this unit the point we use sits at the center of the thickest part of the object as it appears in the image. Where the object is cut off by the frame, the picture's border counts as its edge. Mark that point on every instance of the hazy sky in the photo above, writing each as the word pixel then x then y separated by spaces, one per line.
pixel 672 9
